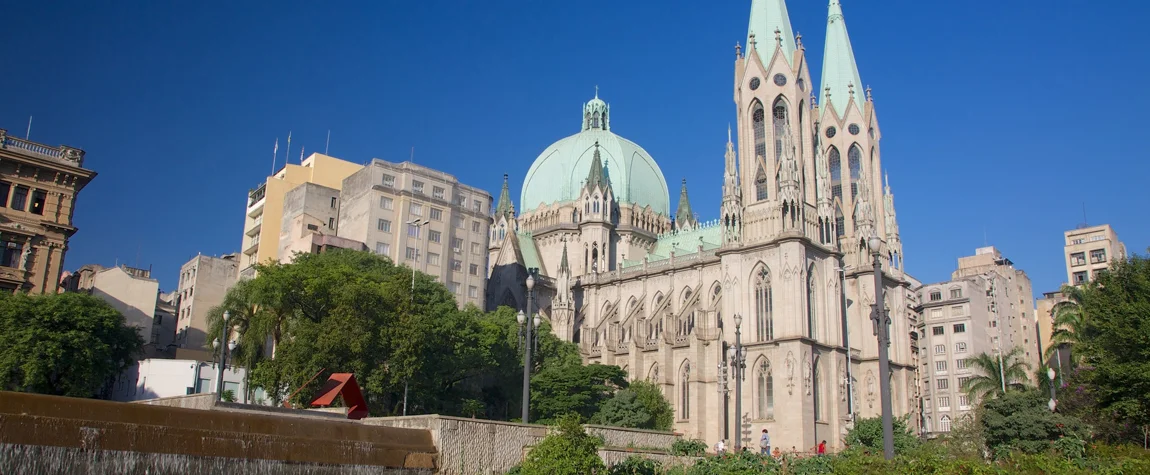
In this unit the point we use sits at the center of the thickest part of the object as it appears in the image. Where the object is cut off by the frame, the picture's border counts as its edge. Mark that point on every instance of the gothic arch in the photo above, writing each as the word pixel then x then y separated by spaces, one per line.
pixel 854 164
pixel 764 389
pixel 653 373
pixel 817 389
pixel 684 390
pixel 814 307
pixel 763 301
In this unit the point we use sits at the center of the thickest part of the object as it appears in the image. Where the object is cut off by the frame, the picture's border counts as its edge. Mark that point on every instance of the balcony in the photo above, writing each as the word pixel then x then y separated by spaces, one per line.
pixel 252 246
pixel 254 230
pixel 248 272
pixel 256 200
pixel 63 154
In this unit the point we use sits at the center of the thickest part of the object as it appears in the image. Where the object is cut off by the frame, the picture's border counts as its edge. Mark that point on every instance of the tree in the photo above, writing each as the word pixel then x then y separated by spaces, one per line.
pixel 67 344
pixel 640 406
pixel 995 369
pixel 868 433
pixel 1069 324
pixel 573 389
pixel 1115 338
pixel 569 451
pixel 1022 420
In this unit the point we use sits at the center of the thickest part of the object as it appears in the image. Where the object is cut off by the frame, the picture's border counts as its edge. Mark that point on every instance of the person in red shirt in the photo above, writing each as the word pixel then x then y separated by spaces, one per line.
pixel 823 448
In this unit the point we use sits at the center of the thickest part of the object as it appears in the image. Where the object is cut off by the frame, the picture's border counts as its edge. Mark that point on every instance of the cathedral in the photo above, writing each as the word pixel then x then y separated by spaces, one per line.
pixel 786 267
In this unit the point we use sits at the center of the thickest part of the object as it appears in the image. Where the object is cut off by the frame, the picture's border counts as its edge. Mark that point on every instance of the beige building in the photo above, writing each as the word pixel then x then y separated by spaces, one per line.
pixel 38 188
pixel 987 307
pixel 422 218
pixel 659 295
pixel 204 281
pixel 266 204
pixel 311 221
pixel 1089 251
pixel 136 295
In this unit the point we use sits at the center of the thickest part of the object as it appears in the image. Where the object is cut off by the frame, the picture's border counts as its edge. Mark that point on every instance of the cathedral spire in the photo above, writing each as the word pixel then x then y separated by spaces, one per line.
pixel 769 19
pixel 888 212
pixel 596 113
pixel 864 209
pixel 595 177
pixel 841 81
pixel 684 218
pixel 504 207
pixel 563 265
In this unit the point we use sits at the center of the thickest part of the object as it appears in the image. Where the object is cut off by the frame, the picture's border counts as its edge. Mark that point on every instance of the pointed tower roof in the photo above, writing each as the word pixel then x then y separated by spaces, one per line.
pixel 683 215
pixel 504 207
pixel 563 265
pixel 767 17
pixel 840 72
pixel 595 177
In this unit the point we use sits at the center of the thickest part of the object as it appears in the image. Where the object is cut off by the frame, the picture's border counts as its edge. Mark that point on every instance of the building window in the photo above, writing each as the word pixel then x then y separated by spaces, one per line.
pixel 386 203
pixel 944 402
pixel 412 254
pixel 333 201
pixel 434 236
pixel 1078 259
pixel 454 287
pixel 477 206
pixel 817 390
pixel 1097 273
pixel 935 313
pixel 413 231
pixel 461 200
pixel 331 223
pixel 473 269
pixel 960 328
pixel 963 401
pixel 854 161
pixel 960 363
pixel 39 197
pixel 1096 256
pixel 20 198
pixel 766 391
pixel 760 185
pixel 935 296
pixel 433 258
pixel 456 265
pixel 475 248
pixel 956 311
pixel 955 293
pixel 436 214
pixel 943 383
pixel 457 222
pixel 764 307
pixel 944 423
pixel 475 226
pixel 960 347
pixel 416 209
pixel 383 225
pixel 388 180
pixel 758 121
pixel 12 253
pixel 936 331
pixel 457 245
pixel 940 365
pixel 417 186
pixel 939 349
pixel 5 190
pixel 962 381
pixel 685 392
pixel 812 302
pixel 437 192
pixel 472 291
pixel 1079 277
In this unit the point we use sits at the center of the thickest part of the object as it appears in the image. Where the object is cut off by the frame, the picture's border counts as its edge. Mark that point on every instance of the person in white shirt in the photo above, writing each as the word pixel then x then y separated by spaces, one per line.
pixel 720 447
pixel 765 443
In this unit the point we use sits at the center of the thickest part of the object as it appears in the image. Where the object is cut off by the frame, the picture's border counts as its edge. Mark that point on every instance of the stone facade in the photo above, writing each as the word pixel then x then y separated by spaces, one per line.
pixel 38 188
pixel 204 281
pixel 788 257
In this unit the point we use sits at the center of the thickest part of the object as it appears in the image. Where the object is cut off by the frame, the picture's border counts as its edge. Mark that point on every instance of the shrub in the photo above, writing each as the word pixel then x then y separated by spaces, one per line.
pixel 868 433
pixel 635 465
pixel 689 448
pixel 570 451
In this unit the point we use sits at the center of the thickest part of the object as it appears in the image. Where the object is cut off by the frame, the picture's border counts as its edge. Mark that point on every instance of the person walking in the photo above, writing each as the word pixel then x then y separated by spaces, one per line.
pixel 720 447
pixel 822 448
pixel 765 443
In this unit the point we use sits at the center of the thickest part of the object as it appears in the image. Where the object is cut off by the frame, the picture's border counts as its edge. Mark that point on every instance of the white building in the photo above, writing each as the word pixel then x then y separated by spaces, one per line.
pixel 155 378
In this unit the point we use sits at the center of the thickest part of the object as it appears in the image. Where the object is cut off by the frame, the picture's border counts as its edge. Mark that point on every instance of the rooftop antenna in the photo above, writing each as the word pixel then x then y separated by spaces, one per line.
pixel 412 159
pixel 1085 222
pixel 275 154
pixel 28 133
pixel 328 142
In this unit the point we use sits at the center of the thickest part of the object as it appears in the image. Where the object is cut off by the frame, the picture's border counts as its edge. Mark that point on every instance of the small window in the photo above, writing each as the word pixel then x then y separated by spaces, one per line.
pixel 436 214
pixel 416 209
pixel 457 245
pixel 39 197
pixel 475 226
pixel 939 349
pixel 940 365
pixel 475 249
pixel 417 186
pixel 20 198
pixel 935 313
pixel 943 383
pixel 5 190
pixel 454 287
pixel 935 296
pixel 386 203
pixel 960 347
pixel 434 236
pixel 456 265
pixel 433 258
pixel 943 402
pixel 1097 256
pixel 956 311
pixel 1079 277
pixel 457 222
pixel 333 200
pixel 437 192
pixel 960 363
pixel 963 401
pixel 472 291
pixel 413 231
pixel 382 248
pixel 955 293
pixel 1078 259
pixel 412 254
pixel 331 223
pixel 388 180
pixel 939 330
pixel 383 225
pixel 962 381
pixel 960 328
pixel 473 269
pixel 477 206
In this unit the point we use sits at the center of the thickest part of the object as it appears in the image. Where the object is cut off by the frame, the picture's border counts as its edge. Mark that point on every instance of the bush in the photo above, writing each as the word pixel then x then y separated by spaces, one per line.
pixel 635 465
pixel 868 433
pixel 689 448
pixel 569 452
pixel 1020 420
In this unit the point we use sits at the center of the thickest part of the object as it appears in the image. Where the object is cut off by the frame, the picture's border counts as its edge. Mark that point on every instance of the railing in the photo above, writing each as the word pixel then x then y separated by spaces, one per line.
pixel 257 194
pixel 63 153
pixel 248 272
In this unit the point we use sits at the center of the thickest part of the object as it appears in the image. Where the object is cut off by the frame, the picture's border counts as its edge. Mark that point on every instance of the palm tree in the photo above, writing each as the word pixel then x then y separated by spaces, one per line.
pixel 1069 322
pixel 1007 370
pixel 253 324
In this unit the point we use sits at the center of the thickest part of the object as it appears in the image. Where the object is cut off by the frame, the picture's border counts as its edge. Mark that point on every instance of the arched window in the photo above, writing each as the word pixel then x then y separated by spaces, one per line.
pixel 595 207
pixel 944 423
pixel 836 164
pixel 760 185
pixel 765 391
pixel 779 121
pixel 812 304
pixel 764 307
pixel 758 124
pixel 854 160
pixel 685 392
pixel 816 389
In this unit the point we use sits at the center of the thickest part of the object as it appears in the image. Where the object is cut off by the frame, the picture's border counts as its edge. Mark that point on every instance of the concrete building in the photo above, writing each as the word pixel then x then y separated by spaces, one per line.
pixel 660 295
pixel 986 307
pixel 266 204
pixel 1089 251
pixel 38 188
pixel 311 221
pixel 135 294
pixel 423 218
pixel 204 281
pixel 156 378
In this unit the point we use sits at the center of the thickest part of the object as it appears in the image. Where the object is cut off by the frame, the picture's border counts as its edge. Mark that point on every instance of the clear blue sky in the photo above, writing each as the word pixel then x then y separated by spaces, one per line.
pixel 1000 118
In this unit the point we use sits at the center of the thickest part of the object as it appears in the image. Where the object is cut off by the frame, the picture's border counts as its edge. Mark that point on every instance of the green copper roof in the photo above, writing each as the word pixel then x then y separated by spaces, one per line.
pixel 766 17
pixel 683 214
pixel 709 234
pixel 560 172
pixel 504 208
pixel 839 68
pixel 595 178
pixel 529 251
pixel 563 266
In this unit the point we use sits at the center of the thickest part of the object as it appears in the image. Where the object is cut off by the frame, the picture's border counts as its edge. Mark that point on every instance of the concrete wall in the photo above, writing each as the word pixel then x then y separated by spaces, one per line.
pixel 49 434
pixel 161 378
pixel 134 297
pixel 204 281
pixel 473 446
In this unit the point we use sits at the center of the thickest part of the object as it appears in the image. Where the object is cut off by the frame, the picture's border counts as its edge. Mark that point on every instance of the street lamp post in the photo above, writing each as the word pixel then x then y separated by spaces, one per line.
pixel 724 393
pixel 882 330
pixel 526 321
pixel 224 349
pixel 1053 400
pixel 418 223
pixel 738 359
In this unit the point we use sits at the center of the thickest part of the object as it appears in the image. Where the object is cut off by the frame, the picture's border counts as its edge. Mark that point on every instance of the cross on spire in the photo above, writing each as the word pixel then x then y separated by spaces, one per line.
pixel 596 91
pixel 799 40
pixel 779 37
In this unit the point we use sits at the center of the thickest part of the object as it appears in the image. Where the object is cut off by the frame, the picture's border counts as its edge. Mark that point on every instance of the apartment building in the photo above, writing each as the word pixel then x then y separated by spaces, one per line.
pixel 266 204
pixel 311 221
pixel 204 281
pixel 1089 251
pixel 136 295
pixel 38 188
pixel 422 218
pixel 986 307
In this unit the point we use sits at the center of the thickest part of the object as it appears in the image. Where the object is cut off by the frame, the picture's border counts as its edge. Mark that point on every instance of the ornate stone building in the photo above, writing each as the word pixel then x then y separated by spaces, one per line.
pixel 659 295
pixel 38 188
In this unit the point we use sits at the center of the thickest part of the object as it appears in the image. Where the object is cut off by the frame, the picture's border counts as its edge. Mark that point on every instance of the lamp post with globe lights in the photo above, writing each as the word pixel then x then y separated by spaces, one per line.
pixel 881 320
pixel 737 356
pixel 525 320
pixel 224 350
pixel 1053 400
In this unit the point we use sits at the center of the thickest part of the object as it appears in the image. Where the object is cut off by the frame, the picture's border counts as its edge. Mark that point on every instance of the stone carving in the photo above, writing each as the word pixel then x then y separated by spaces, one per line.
pixel 870 388
pixel 790 363
pixel 71 154
pixel 26 257
pixel 842 382
pixel 808 373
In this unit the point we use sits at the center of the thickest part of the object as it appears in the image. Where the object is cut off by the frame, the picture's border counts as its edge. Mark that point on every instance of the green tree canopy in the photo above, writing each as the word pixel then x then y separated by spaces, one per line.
pixel 570 451
pixel 67 344
pixel 992 369
pixel 639 406
pixel 1022 420
pixel 573 389
pixel 868 433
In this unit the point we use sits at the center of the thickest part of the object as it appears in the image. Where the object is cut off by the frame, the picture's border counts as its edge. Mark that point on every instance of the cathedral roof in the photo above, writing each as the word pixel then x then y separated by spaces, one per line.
pixel 505 208
pixel 840 72
pixel 560 172
pixel 767 16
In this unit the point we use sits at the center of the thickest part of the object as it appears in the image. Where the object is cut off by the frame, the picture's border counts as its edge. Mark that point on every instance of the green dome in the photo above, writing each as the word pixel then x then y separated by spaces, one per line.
pixel 557 175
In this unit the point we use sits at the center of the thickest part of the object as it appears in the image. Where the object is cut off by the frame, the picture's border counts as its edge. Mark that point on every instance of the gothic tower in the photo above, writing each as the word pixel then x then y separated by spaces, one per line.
pixel 597 218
